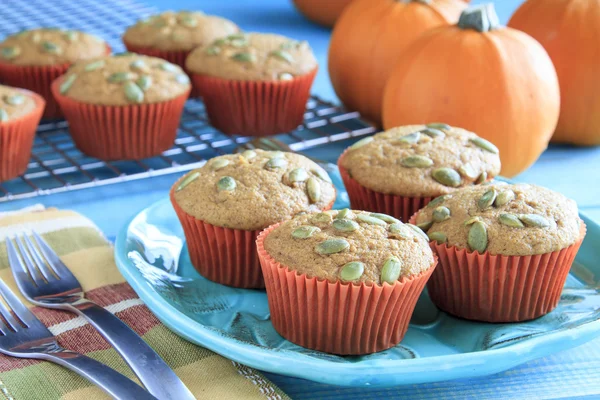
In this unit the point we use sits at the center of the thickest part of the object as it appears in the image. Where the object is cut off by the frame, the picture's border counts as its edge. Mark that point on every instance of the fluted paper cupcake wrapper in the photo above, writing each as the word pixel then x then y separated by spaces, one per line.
pixel 128 132
pixel 223 255
pixel 498 288
pixel 254 108
pixel 338 318
pixel 16 140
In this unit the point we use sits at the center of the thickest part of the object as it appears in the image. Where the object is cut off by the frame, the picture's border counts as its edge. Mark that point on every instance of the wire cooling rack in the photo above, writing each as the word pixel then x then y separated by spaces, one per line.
pixel 56 165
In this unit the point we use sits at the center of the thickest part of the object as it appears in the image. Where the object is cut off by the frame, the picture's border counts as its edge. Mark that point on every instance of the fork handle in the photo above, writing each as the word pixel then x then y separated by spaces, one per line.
pixel 152 371
pixel 115 384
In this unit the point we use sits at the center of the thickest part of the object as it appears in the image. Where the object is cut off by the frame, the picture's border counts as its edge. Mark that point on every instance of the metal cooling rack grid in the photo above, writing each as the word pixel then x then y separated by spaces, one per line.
pixel 57 165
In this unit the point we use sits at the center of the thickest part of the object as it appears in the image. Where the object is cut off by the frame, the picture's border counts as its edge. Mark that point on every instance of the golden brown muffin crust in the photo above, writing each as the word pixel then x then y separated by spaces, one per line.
pixel 258 188
pixel 253 56
pixel 124 79
pixel 14 103
pixel 511 229
pixel 403 161
pixel 183 30
pixel 50 46
pixel 370 244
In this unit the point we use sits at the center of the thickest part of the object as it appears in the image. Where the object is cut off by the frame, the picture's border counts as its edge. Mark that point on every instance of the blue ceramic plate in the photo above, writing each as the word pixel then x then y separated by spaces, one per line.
pixel 151 254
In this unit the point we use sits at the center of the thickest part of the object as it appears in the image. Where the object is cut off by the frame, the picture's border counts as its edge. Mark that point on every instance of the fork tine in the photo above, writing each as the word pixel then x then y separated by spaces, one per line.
pixel 17 307
pixel 54 261
pixel 29 263
pixel 18 267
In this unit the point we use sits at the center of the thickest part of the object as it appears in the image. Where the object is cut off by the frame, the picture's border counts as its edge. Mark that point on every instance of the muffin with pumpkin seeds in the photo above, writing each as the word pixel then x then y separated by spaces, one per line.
pixel 339 272
pixel 399 171
pixel 254 83
pixel 224 205
pixel 33 59
pixel 125 106
pixel 505 250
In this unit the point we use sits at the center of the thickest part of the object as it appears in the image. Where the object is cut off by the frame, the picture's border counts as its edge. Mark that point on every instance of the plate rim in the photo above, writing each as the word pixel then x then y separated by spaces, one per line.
pixel 389 373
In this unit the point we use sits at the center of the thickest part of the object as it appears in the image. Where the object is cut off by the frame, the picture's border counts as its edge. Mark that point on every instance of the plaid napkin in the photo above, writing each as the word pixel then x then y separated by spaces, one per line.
pixel 87 253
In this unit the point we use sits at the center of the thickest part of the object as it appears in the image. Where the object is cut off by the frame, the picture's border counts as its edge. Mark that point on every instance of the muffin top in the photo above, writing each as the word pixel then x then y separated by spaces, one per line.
pixel 421 160
pixel 255 189
pixel 351 246
pixel 14 103
pixel 253 56
pixel 183 30
pixel 516 220
pixel 50 46
pixel 125 78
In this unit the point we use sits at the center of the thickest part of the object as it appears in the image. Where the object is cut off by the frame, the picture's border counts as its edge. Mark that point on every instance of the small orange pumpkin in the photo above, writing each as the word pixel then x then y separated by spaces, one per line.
pixel 495 81
pixel 368 39
pixel 569 31
pixel 321 12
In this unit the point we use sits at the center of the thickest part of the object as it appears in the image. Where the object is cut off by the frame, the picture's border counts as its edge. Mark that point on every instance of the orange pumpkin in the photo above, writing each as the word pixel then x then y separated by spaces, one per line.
pixel 368 39
pixel 322 12
pixel 495 81
pixel 569 30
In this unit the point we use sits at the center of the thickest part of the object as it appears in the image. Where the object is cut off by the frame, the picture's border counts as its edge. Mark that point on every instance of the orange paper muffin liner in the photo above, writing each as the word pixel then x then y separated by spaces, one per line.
pixel 254 108
pixel 16 139
pixel 128 132
pixel 362 198
pixel 37 78
pixel 223 255
pixel 338 318
pixel 498 288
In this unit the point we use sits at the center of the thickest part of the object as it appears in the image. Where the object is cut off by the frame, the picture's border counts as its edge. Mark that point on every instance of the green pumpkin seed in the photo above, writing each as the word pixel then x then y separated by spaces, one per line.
pixel 332 246
pixel 438 237
pixel 94 65
pixel 144 82
pixel 510 220
pixel 139 66
pixel 433 133
pixel 440 214
pixel 249 154
pixel 424 226
pixel 286 76
pixel 3 115
pixel 123 54
pixel 370 220
pixel 504 197
pixel 438 200
pixel 447 177
pixel 277 154
pixel 487 199
pixel 219 42
pixel 298 175
pixel 321 218
pixel 478 237
pixel 485 145
pixel 472 220
pixel 304 232
pixel 52 48
pixel 14 100
pixel 482 178
pixel 439 125
pixel 219 163
pixel 361 143
pixel 290 44
pixel 227 184
pixel 235 36
pixel 238 43
pixel 188 22
pixel 417 161
pixel 133 93
pixel 411 138
pixel 276 162
pixel 159 24
pixel 169 67
pixel 468 171
pixel 282 55
pixel 244 57
pixel 212 50
pixel 187 180
pixel 352 271
pixel 71 36
pixel 386 218
pixel 119 77
pixel 418 230
pixel 534 220
pixel 400 230
pixel 8 53
pixel 321 174
pixel 345 225
pixel 182 79
pixel 67 83
pixel 343 213
pixel 390 272
pixel 313 188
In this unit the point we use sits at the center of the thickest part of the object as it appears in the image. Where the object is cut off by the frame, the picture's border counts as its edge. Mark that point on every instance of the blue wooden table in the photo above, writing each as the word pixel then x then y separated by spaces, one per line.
pixel 572 171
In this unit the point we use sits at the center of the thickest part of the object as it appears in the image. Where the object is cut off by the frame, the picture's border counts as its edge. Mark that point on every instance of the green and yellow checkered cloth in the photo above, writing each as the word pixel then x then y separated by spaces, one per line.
pixel 90 257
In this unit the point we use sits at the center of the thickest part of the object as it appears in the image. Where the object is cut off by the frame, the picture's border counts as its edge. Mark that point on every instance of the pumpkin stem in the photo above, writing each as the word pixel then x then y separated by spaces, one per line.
pixel 482 18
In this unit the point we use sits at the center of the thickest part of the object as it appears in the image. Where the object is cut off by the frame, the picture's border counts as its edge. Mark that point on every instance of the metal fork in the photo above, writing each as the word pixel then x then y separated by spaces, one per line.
pixel 47 282
pixel 22 335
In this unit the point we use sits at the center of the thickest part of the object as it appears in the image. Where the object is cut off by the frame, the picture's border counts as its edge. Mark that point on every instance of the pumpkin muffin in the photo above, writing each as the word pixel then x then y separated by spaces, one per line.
pixel 400 170
pixel 20 113
pixel 505 250
pixel 32 59
pixel 226 203
pixel 335 272
pixel 254 83
pixel 125 106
